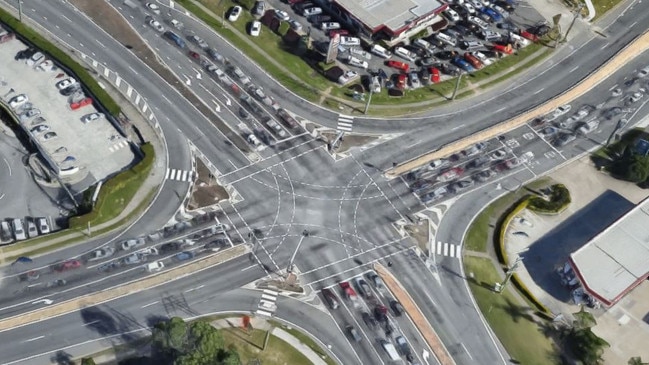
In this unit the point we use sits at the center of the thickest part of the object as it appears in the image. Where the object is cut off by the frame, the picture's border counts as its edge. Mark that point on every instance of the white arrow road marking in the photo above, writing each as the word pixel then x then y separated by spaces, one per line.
pixel 44 301
pixel 217 107
pixel 188 81
pixel 227 101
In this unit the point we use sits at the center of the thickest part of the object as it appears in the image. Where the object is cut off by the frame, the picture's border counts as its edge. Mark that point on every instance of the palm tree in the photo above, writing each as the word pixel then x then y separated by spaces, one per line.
pixel 636 361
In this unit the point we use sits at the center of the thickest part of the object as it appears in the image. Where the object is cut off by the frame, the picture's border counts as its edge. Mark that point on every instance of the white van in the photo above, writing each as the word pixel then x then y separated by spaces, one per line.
pixel 446 39
pixel 380 51
pixel 423 44
pixel 19 230
pixel 406 54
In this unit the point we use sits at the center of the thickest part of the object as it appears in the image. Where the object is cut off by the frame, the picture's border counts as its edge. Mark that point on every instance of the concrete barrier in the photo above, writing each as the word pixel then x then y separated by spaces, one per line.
pixel 628 53
pixel 122 290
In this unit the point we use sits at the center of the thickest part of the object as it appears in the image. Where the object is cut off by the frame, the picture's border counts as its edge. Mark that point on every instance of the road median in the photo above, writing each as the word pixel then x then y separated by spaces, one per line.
pixel 427 331
pixel 635 48
pixel 112 293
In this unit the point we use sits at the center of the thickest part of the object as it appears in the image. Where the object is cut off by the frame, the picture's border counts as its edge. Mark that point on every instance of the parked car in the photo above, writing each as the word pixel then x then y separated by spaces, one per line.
pixel 405 53
pixel 330 298
pixel 311 11
pixel 170 247
pixel 588 127
pixel 65 83
pixel 495 16
pixel 398 65
pixel 353 61
pixel 350 41
pixel 414 80
pixel 561 110
pixel 235 12
pixel 68 265
pixel 18 229
pixel 18 100
pixel 154 266
pixel 397 308
pixel 563 139
pixel 463 64
pixel 473 60
pixel 281 15
pixel 259 8
pixel 91 117
pixel 451 15
pixel 40 129
pixel 133 259
pixel 43 225
pixel 325 26
pixel 255 28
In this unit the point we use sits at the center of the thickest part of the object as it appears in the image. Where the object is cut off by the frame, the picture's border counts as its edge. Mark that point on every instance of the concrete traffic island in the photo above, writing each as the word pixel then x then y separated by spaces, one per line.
pixel 125 289
pixel 440 351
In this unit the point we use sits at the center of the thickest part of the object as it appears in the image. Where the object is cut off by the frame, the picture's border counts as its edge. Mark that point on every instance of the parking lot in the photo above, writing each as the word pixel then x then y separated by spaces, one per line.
pixel 60 139
pixel 373 321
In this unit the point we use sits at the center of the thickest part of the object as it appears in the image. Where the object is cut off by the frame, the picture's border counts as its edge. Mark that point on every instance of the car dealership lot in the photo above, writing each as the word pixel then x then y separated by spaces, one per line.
pixel 83 147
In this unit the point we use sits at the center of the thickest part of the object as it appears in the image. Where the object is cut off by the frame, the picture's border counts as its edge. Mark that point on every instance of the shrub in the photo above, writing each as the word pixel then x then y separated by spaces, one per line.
pixel 501 228
pixel 558 201
pixel 283 28
pixel 522 288
pixel 79 72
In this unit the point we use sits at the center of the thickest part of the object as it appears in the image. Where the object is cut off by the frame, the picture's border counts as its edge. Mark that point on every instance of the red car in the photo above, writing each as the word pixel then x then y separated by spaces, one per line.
pixel 506 49
pixel 528 35
pixel 333 32
pixel 450 174
pixel 398 65
pixel 69 265
pixel 401 81
pixel 473 60
pixel 82 103
pixel 434 74
pixel 194 55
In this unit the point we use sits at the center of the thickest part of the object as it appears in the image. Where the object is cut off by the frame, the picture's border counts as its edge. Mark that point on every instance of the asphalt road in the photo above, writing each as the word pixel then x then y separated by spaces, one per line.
pixel 346 205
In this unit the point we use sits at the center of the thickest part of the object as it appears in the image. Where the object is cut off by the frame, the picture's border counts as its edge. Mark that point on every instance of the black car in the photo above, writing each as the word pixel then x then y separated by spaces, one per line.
pixel 506 5
pixel 435 42
pixel 464 31
pixel 467 24
pixel 397 308
pixel 215 245
pixel 507 26
pixel 478 162
pixel 445 55
pixel 169 247
pixel 450 70
pixel 540 30
pixel 612 112
pixel 369 320
pixel 70 90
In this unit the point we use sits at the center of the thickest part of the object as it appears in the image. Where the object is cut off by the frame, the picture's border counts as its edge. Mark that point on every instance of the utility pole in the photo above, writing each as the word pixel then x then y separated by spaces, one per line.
pixel 20 11
pixel 457 85
pixel 289 269
pixel 499 287
pixel 574 19
pixel 369 100
pixel 620 124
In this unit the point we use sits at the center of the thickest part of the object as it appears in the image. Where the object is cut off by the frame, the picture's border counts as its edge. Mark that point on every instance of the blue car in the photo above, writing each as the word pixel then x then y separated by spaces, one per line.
pixel 495 16
pixel 463 64
pixel 185 255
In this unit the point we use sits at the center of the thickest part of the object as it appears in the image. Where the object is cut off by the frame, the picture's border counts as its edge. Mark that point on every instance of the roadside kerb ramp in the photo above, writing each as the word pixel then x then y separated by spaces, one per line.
pixel 125 289
pixel 423 325
pixel 636 47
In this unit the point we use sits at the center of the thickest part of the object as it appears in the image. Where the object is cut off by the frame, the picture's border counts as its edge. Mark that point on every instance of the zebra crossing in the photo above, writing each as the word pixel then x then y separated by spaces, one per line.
pixel 117 146
pixel 448 249
pixel 179 175
pixel 267 306
pixel 345 123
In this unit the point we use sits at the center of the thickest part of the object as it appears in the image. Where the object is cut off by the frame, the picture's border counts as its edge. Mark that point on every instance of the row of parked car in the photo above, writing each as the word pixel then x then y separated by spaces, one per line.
pixel 21 229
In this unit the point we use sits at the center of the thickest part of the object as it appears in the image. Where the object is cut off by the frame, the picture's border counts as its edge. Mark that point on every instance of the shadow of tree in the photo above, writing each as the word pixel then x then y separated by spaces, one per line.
pixel 62 358
pixel 517 312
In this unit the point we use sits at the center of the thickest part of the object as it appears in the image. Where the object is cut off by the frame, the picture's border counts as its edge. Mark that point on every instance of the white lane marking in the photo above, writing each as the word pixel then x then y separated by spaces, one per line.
pixel 34 339
pixel 467 351
pixel 131 68
pixel 501 109
pixel 91 323
pixel 268 297
pixel 538 91
pixel 458 127
pixel 101 44
pixel 150 304
pixel 8 166
pixel 196 288
pixel 574 69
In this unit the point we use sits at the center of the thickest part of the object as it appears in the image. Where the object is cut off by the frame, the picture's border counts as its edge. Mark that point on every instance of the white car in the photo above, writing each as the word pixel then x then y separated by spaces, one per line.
pixel 350 41
pixel 156 25
pixel 255 28
pixel 91 117
pixel 406 54
pixel 18 100
pixel 176 24
pixel 644 72
pixel 155 266
pixel 588 127
pixel 312 11
pixel 329 26
pixel 153 7
pixel 479 22
pixel 235 13
pixel 133 243
pixel 281 15
pixel 46 66
pixel 65 83
pixel 500 9
pixel 484 59
pixel 563 109
pixel 149 251
pixel 451 15
pixel 414 80
pixel 375 84
pixel 469 8
pixel 43 226
pixel 353 61
pixel 35 58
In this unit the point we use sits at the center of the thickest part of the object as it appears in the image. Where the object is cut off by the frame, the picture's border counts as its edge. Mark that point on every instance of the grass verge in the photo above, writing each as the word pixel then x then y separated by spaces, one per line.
pixel 32 37
pixel 523 338
pixel 518 70
pixel 277 352
pixel 305 339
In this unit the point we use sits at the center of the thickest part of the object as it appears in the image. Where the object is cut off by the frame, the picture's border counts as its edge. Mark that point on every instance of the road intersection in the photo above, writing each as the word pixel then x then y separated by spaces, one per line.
pixel 347 206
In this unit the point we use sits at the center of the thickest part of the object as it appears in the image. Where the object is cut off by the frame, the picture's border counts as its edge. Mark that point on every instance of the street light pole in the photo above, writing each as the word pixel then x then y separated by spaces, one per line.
pixel 305 234
pixel 499 287
pixel 574 19
pixel 369 100
pixel 457 85
pixel 20 11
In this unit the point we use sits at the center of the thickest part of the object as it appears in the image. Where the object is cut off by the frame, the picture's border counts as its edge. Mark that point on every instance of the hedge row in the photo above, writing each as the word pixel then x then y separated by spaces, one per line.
pixel 80 73
pixel 117 192
pixel 542 310
pixel 502 228
pixel 558 202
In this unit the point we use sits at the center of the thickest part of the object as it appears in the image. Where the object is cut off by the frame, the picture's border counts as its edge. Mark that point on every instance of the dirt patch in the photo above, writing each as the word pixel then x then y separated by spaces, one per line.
pixel 104 15
pixel 206 191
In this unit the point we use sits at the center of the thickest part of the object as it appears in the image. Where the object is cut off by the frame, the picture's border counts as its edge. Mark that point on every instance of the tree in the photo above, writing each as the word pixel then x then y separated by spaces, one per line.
pixel 87 361
pixel 586 346
pixel 634 168
pixel 170 337
pixel 583 319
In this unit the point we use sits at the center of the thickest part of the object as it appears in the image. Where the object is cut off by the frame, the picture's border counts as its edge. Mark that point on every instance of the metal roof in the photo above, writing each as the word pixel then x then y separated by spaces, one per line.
pixel 394 14
pixel 617 259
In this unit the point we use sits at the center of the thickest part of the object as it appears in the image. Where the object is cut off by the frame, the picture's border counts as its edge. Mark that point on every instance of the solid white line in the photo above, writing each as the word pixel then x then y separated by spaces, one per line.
pixel 91 323
pixel 34 339
pixel 446 249
pixel 196 288
pixel 457 127
pixel 8 166
pixel 131 68
pixel 501 109
pixel 634 23
pixel 467 351
pixel 167 174
pixel 150 304
pixel 346 129
pixel 604 46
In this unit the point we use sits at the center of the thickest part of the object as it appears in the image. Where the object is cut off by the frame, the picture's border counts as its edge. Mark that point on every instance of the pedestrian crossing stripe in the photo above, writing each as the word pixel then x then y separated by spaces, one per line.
pixel 179 175
pixel 267 306
pixel 447 249
pixel 345 123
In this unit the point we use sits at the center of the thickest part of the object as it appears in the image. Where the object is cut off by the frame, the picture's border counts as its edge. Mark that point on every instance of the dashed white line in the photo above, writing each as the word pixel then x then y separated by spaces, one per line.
pixel 501 109
pixel 150 304
pixel 538 91
pixel 34 339
pixel 457 127
pixel 101 44
pixel 573 69
pixel 131 68
pixel 196 288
